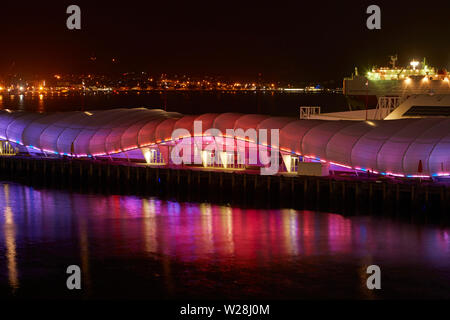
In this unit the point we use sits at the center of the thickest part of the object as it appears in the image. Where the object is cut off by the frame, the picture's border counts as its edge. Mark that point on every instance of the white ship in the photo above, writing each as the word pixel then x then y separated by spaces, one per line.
pixel 364 91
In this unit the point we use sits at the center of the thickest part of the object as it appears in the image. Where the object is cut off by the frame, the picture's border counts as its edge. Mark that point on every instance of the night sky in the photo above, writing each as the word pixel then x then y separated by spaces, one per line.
pixel 284 41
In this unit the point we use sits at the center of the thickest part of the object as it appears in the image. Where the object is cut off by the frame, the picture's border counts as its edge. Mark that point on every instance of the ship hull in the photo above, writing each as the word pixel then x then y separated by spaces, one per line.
pixel 359 102
pixel 358 88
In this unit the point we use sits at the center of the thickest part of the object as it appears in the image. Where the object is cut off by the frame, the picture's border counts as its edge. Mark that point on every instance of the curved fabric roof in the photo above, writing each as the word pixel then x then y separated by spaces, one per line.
pixel 394 146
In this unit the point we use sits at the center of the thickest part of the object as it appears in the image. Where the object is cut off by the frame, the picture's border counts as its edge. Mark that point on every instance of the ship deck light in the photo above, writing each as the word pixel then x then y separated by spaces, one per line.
pixel 414 64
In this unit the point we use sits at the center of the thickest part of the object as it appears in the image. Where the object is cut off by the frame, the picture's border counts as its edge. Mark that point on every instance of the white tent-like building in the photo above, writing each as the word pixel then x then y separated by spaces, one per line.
pixel 399 147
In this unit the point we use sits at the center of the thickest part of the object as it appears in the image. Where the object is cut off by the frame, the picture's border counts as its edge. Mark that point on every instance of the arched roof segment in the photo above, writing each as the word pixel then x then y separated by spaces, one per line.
pixel 423 146
pixel 207 122
pixel 15 129
pixel 114 139
pixel 316 140
pixel 6 118
pixel 439 157
pixel 81 141
pixel 391 156
pixel 48 139
pixel 365 151
pixel 339 147
pixel 163 131
pixel 291 137
pixel 226 121
pixel 32 133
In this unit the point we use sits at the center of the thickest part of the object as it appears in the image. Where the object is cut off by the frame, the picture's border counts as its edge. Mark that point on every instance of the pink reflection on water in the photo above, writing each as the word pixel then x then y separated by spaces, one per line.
pixel 206 235
pixel 192 232
pixel 339 233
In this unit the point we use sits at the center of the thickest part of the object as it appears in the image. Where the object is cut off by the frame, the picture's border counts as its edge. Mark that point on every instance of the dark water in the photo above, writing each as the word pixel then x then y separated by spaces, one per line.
pixel 134 247
pixel 189 102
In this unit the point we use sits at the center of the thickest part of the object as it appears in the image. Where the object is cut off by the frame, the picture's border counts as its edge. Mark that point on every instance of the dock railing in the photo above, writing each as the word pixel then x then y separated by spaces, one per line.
pixel 307 111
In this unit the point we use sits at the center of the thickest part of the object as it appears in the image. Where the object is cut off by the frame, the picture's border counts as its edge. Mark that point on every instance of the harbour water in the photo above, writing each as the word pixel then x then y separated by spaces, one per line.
pixel 186 102
pixel 147 248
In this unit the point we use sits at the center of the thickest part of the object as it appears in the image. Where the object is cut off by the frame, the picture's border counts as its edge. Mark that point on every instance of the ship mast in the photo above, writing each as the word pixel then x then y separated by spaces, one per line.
pixel 394 60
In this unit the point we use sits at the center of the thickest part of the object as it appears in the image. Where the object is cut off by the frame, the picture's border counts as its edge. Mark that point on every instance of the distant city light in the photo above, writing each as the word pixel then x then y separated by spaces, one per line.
pixel 135 82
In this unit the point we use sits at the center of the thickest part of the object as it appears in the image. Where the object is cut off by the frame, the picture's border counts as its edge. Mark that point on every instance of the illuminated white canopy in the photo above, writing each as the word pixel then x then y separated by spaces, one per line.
pixel 394 146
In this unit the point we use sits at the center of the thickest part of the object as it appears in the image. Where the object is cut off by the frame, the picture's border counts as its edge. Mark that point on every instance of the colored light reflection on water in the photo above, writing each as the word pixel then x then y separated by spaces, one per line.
pixel 163 249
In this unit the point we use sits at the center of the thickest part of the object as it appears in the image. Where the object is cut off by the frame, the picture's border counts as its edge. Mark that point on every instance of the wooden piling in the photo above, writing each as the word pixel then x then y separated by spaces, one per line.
pixel 278 190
